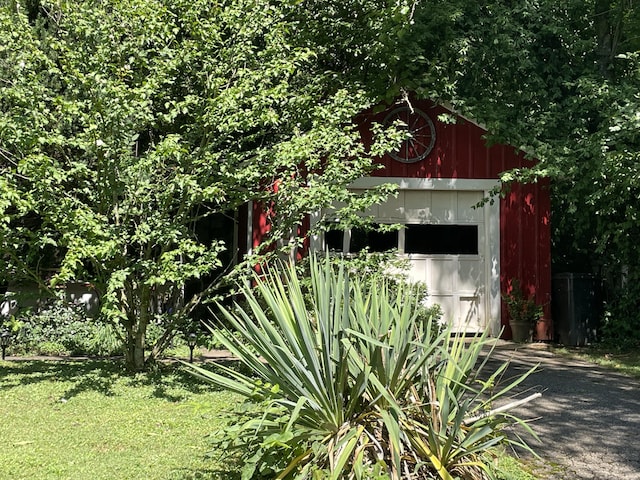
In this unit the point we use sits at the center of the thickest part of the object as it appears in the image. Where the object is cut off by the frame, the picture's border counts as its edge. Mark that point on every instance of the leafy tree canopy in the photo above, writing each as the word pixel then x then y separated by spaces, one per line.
pixel 559 80
pixel 124 123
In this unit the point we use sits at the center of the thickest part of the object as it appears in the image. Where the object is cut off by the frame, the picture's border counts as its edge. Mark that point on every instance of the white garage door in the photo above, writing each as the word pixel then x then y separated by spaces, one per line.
pixel 452 246
pixel 444 240
pixel 447 253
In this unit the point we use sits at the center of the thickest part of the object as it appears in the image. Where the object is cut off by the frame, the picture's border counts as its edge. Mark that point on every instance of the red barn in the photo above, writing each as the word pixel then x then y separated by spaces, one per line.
pixel 466 252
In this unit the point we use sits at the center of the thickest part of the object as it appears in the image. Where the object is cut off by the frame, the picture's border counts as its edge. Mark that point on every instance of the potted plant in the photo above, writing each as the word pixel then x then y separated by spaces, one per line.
pixel 524 312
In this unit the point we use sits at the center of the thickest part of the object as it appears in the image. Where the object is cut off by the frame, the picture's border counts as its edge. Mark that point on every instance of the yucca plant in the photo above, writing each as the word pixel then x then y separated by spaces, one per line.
pixel 355 383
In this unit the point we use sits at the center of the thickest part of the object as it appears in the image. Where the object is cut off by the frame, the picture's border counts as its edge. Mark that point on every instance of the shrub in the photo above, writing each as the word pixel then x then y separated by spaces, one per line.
pixel 59 327
pixel 620 329
pixel 355 384
pixel 521 308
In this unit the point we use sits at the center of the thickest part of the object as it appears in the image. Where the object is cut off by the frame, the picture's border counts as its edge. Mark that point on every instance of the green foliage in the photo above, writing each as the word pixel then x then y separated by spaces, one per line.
pixel 511 469
pixel 521 307
pixel 124 124
pixel 559 81
pixel 353 383
pixel 620 325
pixel 389 266
pixel 12 324
pixel 61 327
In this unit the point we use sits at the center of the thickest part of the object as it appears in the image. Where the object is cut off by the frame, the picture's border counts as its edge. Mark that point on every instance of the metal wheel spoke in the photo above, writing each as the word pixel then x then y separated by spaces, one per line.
pixel 421 134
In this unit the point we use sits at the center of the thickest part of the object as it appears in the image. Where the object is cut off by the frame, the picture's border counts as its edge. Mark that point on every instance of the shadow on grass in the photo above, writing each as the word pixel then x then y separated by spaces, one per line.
pixel 208 474
pixel 166 378
pixel 85 375
pixel 169 381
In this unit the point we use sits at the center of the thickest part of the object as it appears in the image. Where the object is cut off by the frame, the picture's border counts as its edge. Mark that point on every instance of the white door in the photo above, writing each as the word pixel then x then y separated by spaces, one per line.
pixel 452 245
pixel 444 240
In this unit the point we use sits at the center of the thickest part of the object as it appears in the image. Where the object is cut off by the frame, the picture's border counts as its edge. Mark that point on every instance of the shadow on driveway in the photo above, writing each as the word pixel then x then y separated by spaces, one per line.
pixel 588 418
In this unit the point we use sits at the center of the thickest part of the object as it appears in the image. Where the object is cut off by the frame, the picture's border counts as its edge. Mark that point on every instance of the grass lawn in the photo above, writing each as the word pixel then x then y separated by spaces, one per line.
pixel 91 420
pixel 627 362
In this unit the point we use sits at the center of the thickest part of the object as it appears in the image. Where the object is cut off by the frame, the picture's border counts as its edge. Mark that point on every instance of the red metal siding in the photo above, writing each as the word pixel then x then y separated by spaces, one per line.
pixel 525 247
pixel 460 151
pixel 243 226
pixel 261 224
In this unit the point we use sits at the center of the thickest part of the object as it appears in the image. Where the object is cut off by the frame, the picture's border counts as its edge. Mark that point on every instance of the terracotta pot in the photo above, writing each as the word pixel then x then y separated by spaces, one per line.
pixel 543 330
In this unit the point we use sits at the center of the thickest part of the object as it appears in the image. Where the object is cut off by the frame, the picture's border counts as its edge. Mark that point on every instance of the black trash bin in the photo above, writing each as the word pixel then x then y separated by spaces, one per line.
pixel 576 307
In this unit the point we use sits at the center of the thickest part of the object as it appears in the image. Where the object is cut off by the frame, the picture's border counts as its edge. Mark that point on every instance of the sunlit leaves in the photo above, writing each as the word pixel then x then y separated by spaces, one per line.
pixel 126 123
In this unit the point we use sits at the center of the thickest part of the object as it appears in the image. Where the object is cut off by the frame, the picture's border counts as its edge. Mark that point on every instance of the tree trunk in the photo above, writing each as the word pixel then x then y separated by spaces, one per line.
pixel 609 17
pixel 604 35
pixel 138 317
pixel 135 352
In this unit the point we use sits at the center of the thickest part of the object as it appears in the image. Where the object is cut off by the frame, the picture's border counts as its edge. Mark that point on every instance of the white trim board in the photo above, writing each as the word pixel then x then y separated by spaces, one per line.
pixel 427 183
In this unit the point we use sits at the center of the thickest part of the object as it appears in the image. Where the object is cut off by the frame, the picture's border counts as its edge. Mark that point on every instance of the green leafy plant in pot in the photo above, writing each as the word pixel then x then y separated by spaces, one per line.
pixel 524 312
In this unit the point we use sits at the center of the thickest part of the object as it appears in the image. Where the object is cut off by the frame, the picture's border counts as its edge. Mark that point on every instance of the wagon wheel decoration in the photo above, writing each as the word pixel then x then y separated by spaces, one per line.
pixel 422 133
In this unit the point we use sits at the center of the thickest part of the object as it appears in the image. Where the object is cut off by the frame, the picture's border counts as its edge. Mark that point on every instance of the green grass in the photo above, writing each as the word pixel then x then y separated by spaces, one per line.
pixel 512 469
pixel 90 419
pixel 627 362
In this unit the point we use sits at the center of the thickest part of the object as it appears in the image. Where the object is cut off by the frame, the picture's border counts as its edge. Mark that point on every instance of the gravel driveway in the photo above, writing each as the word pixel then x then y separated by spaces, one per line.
pixel 588 418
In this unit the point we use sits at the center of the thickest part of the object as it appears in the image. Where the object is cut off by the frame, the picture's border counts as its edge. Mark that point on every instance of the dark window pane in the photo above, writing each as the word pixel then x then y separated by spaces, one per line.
pixel 376 241
pixel 441 239
pixel 333 239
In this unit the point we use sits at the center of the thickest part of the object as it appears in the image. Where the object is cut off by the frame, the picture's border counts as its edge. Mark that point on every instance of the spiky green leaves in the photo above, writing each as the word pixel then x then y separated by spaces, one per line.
pixel 356 381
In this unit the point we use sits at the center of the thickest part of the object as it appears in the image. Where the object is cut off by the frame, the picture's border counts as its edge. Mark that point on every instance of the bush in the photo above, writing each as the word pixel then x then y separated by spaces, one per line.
pixel 354 384
pixel 621 319
pixel 60 327
pixel 521 308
